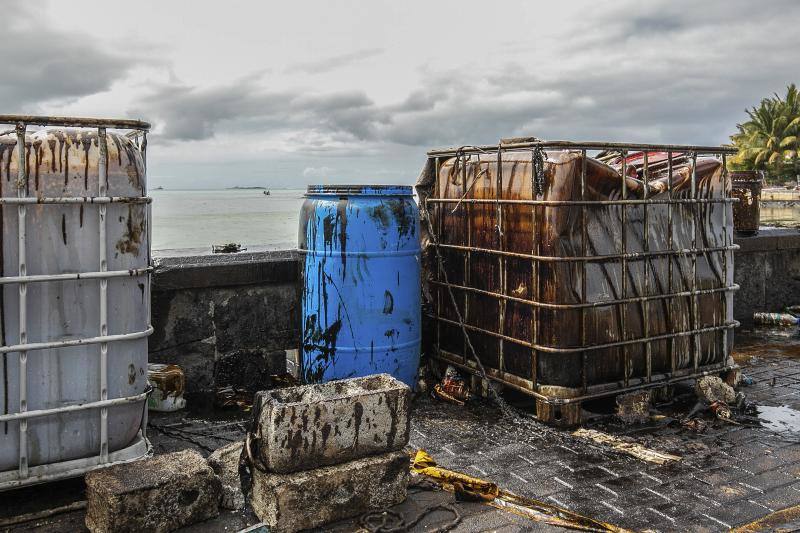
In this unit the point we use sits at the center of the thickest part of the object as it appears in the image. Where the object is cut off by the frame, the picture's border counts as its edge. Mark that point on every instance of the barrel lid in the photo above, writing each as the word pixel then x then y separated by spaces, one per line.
pixel 363 190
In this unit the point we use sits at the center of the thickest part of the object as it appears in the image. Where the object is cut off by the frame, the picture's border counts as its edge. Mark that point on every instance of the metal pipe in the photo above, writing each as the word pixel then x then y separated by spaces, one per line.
pixel 670 246
pixel 76 122
pixel 582 330
pixel 648 353
pixel 724 242
pixel 26 347
pixel 102 183
pixel 695 310
pixel 563 203
pixel 550 349
pixel 76 200
pixel 623 312
pixel 535 250
pixel 78 275
pixel 102 404
pixel 501 263
pixel 583 145
pixel 587 305
pixel 22 184
pixel 591 258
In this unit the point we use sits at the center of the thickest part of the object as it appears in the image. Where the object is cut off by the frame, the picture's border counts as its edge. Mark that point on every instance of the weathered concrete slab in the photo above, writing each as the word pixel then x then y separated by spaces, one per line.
pixel 303 500
pixel 159 494
pixel 316 425
pixel 225 463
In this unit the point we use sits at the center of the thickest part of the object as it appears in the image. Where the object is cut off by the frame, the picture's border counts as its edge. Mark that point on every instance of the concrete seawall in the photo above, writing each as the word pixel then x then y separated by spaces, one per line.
pixel 228 319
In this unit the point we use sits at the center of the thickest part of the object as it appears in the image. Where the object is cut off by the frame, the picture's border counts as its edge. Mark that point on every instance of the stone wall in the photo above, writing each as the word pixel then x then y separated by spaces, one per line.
pixel 767 267
pixel 228 319
pixel 225 319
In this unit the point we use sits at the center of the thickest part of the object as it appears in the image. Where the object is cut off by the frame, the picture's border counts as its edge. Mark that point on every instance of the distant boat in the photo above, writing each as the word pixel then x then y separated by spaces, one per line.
pixel 159 188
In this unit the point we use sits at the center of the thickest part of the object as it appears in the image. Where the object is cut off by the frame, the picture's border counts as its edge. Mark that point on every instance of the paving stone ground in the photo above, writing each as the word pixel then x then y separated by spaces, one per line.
pixel 728 475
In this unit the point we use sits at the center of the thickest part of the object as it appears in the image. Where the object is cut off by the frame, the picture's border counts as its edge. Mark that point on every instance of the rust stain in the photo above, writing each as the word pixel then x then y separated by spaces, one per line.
pixel 135 230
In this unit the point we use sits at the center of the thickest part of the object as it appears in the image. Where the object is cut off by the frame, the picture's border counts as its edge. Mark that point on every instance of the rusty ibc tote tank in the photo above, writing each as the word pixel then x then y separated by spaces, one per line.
pixel 75 296
pixel 573 282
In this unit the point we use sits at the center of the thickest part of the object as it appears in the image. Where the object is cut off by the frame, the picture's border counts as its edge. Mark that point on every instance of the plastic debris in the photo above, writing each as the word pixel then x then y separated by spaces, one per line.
pixel 227 397
pixel 775 319
pixel 229 248
pixel 168 384
pixel 630 448
pixel 712 389
pixel 695 424
pixel 452 388
pixel 747 380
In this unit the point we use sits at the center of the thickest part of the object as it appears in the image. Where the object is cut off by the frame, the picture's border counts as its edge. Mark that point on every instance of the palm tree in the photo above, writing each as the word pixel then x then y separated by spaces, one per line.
pixel 769 140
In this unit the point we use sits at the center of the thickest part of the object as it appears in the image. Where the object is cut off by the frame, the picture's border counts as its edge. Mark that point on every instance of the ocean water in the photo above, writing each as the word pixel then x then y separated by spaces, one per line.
pixel 199 218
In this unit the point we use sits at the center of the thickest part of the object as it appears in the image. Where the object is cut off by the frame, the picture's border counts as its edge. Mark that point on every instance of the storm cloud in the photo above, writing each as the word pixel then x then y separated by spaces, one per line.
pixel 42 63
pixel 368 95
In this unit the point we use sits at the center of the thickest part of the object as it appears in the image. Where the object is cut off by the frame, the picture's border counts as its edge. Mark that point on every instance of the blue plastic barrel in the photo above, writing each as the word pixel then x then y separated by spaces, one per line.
pixel 361 282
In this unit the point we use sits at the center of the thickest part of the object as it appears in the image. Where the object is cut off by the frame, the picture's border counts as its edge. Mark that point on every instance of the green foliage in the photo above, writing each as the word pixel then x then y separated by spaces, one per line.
pixel 769 139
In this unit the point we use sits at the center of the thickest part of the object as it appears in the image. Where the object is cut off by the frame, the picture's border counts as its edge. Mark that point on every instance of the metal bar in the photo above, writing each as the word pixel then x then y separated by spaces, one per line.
pixel 437 244
pixel 102 182
pixel 102 404
pixel 604 346
pixel 587 305
pixel 591 258
pixel 21 184
pixel 584 355
pixel 646 247
pixel 623 315
pixel 724 298
pixel 565 203
pixel 501 263
pixel 535 249
pixel 77 122
pixel 148 282
pixel 670 246
pixel 583 145
pixel 8 280
pixel 468 255
pixel 695 317
pixel 77 200
pixel 29 347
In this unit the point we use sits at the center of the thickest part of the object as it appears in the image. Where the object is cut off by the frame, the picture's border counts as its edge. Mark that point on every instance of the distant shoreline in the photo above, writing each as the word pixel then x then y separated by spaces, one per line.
pixel 245 188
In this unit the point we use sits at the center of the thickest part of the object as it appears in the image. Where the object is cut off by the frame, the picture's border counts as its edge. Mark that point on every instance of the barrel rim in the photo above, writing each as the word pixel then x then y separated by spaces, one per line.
pixel 360 190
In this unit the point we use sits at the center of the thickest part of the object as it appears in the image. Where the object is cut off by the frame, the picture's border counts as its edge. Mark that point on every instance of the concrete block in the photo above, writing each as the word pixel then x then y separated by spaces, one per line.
pixel 317 425
pixel 156 495
pixel 308 499
pixel 225 463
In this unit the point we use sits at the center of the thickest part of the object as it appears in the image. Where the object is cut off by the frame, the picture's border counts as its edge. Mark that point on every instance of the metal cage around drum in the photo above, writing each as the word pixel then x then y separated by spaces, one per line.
pixel 24 347
pixel 437 206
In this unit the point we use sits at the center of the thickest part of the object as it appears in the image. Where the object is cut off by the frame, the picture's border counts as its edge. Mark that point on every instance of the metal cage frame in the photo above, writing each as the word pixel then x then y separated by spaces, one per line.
pixel 25 474
pixel 561 396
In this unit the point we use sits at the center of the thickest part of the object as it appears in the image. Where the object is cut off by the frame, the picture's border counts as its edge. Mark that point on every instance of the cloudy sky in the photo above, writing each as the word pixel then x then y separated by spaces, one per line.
pixel 289 93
